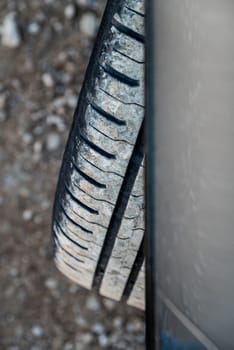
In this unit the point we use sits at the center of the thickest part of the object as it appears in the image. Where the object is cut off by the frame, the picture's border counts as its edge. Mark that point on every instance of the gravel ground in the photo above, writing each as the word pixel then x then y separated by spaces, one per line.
pixel 44 50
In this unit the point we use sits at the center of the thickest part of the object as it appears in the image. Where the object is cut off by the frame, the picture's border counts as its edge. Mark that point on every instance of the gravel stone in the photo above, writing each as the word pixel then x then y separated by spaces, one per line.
pixel 37 147
pixel 135 326
pixel 68 346
pixel 27 138
pixel 70 11
pixel 92 303
pixel 103 340
pixel 51 283
pixel 27 215
pixel 37 331
pixel 86 338
pixel 11 37
pixel 52 142
pixel 47 80
pixel 71 100
pixel 74 288
pixel 19 331
pixel 81 322
pixel 56 120
pixel 34 28
pixel 88 24
pixel 98 328
pixel 109 304
pixel 118 322
pixel 82 2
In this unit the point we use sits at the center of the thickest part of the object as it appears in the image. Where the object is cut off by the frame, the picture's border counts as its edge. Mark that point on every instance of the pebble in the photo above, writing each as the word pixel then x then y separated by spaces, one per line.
pixel 88 24
pixel 14 272
pixel 74 288
pixel 135 326
pixel 37 331
pixel 71 100
pixel 81 322
pixel 118 322
pixel 68 346
pixel 38 130
pixel 98 328
pixel 103 340
pixel 27 138
pixel 53 141
pixel 45 204
pixel 19 331
pixel 47 80
pixel 37 147
pixel 51 283
pixel 58 27
pixel 65 78
pixel 70 11
pixel 92 303
pixel 85 338
pixel 82 2
pixel 11 37
pixel 27 215
pixel 57 121
pixel 33 28
pixel 109 304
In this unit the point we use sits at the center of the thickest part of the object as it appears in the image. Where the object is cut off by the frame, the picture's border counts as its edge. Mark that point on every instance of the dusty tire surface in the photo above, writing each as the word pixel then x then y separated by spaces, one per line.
pixel 98 219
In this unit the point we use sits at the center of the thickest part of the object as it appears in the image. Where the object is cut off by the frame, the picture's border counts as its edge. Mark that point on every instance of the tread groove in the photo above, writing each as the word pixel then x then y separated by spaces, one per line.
pixel 75 233
pixel 96 148
pixel 135 271
pixel 107 115
pixel 84 206
pixel 136 12
pixel 129 32
pixel 70 239
pixel 73 222
pixel 87 177
pixel 71 267
pixel 123 78
pixel 89 195
pixel 121 204
pixel 66 251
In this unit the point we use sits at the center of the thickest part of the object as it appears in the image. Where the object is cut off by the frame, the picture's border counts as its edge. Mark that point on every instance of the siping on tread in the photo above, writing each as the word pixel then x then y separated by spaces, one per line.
pixel 87 177
pixel 97 149
pixel 129 32
pixel 107 115
pixel 123 78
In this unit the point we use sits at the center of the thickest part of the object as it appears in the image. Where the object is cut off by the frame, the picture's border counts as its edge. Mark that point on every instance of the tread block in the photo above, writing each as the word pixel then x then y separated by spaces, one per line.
pixel 137 297
pixel 126 245
pixel 131 19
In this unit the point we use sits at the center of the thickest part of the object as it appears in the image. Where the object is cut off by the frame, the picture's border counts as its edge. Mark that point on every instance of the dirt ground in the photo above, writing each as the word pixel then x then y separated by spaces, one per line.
pixel 40 80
